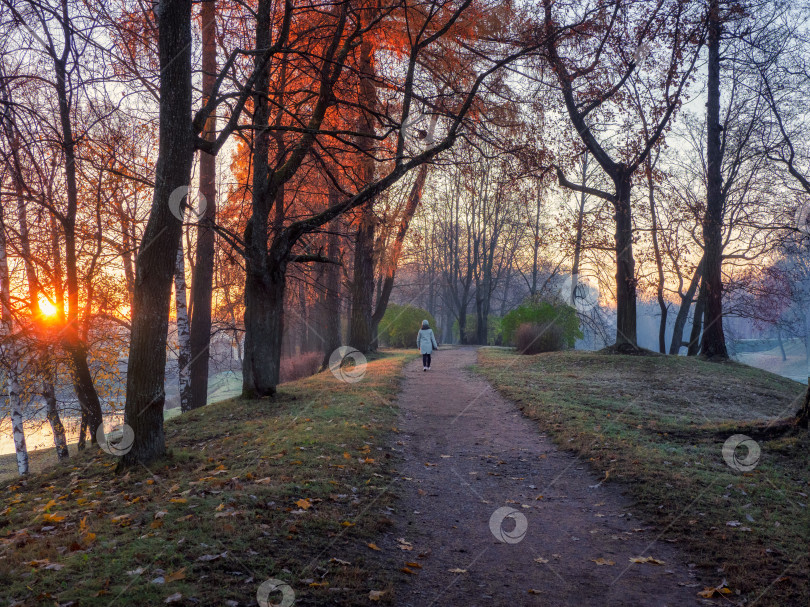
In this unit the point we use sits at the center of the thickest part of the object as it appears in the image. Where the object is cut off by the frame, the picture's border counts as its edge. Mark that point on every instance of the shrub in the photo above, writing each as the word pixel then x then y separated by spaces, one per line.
pixel 300 366
pixel 543 313
pixel 533 338
pixel 400 324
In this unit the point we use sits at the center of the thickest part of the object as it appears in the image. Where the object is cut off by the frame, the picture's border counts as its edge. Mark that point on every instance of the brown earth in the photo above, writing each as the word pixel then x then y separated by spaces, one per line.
pixel 466 452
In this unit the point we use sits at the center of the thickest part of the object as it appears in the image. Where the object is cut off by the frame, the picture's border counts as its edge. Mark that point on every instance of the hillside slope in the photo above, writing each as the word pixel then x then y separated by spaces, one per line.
pixel 658 425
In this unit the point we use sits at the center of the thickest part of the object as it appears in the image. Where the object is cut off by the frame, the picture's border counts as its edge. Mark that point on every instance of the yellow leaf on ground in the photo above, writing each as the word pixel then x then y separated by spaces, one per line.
pixel 708 593
pixel 603 561
pixel 646 559
pixel 304 504
pixel 53 518
pixel 373 546
pixel 180 574
pixel 178 500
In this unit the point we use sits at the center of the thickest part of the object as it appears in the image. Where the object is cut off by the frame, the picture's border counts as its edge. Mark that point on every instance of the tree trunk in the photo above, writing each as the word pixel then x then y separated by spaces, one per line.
pixel 331 315
pixel 48 390
pixel 713 341
pixel 659 264
pixel 781 344
pixel 10 354
pixel 77 350
pixel 803 414
pixel 683 311
pixel 578 242
pixel 362 288
pixel 264 312
pixel 693 347
pixel 146 367
pixel 264 288
pixel 462 326
pixel 625 267
pixel 58 429
pixel 202 280
pixel 361 332
pixel 183 345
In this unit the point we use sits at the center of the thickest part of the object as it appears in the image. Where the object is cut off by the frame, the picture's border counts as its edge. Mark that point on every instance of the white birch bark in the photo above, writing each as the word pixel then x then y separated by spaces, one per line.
pixel 183 335
pixel 9 352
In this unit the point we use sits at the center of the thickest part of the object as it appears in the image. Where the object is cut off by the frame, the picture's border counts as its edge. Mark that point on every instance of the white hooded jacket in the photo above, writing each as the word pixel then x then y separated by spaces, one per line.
pixel 425 341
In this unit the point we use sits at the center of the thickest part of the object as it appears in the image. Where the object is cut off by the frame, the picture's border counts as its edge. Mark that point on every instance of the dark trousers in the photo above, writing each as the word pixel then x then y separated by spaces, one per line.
pixel 426 360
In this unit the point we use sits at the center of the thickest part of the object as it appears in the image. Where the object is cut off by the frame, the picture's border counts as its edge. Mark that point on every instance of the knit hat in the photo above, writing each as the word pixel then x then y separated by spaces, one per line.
pixel 425 324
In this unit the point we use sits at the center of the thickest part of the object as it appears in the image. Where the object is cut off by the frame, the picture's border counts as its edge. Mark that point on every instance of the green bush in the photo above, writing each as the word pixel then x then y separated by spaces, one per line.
pixel 400 324
pixel 543 313
pixel 533 338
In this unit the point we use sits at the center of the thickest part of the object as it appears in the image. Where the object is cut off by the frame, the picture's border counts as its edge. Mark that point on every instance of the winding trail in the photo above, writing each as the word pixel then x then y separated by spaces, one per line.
pixel 468 452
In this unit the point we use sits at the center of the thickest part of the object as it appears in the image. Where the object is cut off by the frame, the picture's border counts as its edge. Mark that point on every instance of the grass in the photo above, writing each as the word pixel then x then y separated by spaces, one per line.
pixel 658 424
pixel 291 488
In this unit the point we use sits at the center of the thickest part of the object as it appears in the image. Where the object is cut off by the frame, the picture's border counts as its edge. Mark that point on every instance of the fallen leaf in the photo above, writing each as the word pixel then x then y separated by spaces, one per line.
pixel 376 595
pixel 646 559
pixel 457 570
pixel 339 561
pixel 603 561
pixel 180 574
pixel 541 560
pixel 44 564
pixel 373 546
pixel 413 565
pixel 304 504
pixel 174 598
pixel 407 570
pixel 211 557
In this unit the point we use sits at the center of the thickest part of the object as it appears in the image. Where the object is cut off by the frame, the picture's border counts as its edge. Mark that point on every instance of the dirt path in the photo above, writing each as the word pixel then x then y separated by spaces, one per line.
pixel 468 452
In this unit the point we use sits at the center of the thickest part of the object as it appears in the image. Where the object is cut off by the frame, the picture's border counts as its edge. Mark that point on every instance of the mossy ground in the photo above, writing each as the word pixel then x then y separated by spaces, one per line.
pixel 291 488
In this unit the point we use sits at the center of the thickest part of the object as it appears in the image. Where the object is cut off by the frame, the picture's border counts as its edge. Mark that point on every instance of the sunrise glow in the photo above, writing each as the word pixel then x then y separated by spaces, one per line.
pixel 46 307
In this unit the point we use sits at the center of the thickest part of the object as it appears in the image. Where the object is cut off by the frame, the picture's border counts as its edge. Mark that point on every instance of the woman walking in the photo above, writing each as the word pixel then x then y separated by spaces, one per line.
pixel 426 342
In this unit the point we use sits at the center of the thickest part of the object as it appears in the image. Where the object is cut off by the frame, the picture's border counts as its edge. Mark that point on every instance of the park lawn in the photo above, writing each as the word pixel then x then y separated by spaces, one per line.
pixel 657 425
pixel 291 488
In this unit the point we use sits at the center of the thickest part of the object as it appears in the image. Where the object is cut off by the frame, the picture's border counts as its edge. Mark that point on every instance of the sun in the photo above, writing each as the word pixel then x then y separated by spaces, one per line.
pixel 46 307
